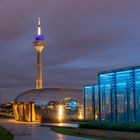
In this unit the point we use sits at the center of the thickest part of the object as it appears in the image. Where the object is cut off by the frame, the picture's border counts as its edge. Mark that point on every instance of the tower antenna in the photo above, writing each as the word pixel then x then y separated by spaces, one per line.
pixel 39 27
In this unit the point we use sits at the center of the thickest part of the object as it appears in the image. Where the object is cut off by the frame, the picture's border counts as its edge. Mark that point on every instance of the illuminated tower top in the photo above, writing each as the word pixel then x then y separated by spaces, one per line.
pixel 39 39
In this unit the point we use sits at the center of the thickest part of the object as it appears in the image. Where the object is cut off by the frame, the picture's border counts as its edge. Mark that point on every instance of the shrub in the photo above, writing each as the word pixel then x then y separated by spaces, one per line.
pixel 111 126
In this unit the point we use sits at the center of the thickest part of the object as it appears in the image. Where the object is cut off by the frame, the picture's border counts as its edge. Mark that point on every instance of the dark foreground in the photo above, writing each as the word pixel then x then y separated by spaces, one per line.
pixel 4 134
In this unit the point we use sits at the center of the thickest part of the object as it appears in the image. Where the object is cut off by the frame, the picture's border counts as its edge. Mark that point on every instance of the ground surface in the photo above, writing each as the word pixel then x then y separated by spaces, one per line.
pixel 33 131
pixel 72 132
pixel 4 134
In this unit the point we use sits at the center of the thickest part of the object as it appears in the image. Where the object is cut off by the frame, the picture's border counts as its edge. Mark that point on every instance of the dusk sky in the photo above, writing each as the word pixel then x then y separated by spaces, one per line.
pixel 84 37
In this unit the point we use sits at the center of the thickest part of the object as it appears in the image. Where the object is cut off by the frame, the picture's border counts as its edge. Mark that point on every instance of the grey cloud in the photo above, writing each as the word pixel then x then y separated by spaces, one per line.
pixel 83 37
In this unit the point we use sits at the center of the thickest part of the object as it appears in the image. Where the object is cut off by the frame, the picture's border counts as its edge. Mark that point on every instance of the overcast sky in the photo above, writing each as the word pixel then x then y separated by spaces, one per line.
pixel 83 38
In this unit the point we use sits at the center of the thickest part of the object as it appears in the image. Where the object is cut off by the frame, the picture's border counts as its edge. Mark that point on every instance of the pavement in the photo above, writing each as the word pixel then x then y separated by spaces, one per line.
pixel 33 131
pixel 70 125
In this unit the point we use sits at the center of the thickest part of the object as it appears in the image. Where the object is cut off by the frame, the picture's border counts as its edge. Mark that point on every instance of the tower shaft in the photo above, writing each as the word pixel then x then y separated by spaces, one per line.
pixel 39 71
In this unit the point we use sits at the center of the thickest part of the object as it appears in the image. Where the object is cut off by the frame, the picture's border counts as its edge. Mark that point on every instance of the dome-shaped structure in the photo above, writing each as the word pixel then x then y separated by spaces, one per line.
pixel 52 104
pixel 43 96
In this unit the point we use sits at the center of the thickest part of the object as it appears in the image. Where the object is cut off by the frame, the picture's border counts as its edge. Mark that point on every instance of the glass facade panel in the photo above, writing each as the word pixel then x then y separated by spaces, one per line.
pixel 106 96
pixel 137 96
pixel 96 117
pixel 125 104
pixel 117 95
pixel 88 96
pixel 91 97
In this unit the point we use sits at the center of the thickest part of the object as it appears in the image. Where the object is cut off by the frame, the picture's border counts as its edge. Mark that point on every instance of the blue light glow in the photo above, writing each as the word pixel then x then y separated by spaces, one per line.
pixel 88 89
pixel 39 37
pixel 72 104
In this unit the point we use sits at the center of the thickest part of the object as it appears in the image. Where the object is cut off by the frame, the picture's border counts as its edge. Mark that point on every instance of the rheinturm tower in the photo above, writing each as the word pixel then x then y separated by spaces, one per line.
pixel 39 44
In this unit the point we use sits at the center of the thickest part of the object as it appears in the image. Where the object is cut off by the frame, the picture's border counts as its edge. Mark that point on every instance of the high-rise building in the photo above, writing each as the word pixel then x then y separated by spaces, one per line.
pixel 39 43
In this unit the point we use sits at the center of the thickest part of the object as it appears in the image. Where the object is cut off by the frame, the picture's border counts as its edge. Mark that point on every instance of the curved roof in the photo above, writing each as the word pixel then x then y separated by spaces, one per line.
pixel 43 96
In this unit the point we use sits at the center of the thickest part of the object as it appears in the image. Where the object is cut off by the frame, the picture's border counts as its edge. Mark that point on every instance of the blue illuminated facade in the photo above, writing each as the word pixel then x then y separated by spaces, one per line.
pixel 91 105
pixel 117 96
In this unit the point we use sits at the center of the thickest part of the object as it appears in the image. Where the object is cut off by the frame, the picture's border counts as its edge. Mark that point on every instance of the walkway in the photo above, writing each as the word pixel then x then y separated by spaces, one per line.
pixel 33 131
pixel 70 125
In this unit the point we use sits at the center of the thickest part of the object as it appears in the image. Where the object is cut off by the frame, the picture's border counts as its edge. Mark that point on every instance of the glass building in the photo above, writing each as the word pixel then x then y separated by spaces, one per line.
pixel 116 98
pixel 91 105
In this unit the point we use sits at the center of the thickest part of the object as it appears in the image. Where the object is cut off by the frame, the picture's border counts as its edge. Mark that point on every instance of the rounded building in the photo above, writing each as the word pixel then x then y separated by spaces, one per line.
pixel 42 96
pixel 45 104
